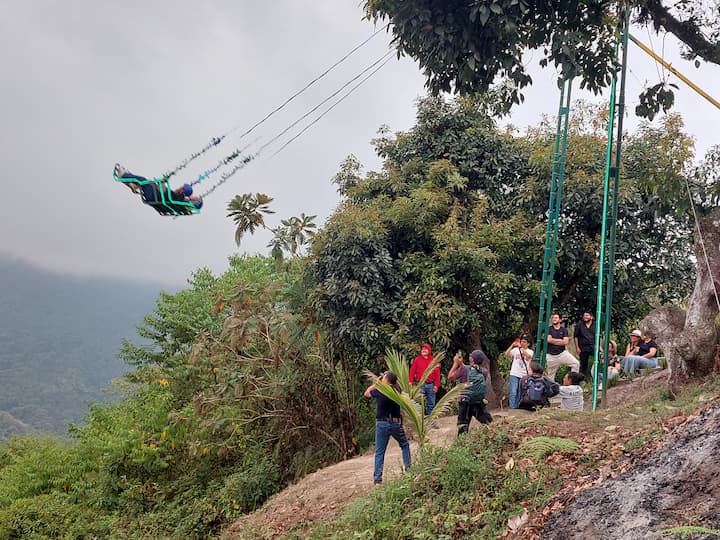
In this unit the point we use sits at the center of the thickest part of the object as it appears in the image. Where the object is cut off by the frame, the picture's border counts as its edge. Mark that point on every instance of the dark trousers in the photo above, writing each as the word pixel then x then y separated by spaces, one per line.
pixel 585 355
pixel 467 410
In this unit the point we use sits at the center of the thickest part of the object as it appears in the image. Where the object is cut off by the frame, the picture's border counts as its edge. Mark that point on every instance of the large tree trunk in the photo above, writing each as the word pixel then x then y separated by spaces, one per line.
pixel 688 338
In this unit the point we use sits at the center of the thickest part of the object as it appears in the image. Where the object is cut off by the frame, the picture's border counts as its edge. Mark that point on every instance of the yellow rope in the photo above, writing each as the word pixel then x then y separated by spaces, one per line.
pixel 674 71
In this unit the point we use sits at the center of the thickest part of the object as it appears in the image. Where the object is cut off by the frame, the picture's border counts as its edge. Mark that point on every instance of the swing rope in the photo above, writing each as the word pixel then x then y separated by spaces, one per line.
pixel 217 140
pixel 329 108
pixel 385 57
pixel 225 161
pixel 250 157
pixel 308 85
pixel 702 244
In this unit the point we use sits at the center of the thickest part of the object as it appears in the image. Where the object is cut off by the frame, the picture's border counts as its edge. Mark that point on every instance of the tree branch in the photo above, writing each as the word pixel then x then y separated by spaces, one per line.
pixel 686 31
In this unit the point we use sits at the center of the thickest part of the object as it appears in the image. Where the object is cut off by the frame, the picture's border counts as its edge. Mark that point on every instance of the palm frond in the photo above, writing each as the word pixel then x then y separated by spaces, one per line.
pixel 444 404
pixel 428 370
pixel 396 363
pixel 411 409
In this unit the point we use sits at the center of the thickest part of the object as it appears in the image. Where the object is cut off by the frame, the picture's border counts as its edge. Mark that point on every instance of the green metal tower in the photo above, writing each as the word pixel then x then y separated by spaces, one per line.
pixel 553 223
pixel 609 223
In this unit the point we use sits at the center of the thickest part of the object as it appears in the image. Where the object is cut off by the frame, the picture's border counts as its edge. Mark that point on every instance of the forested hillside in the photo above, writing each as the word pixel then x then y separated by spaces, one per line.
pixel 60 335
pixel 250 380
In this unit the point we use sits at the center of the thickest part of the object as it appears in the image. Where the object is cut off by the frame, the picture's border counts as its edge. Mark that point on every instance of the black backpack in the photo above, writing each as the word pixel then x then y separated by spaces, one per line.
pixel 533 393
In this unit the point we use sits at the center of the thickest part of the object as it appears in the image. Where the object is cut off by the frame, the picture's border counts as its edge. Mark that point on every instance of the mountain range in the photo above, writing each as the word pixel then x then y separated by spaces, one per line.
pixel 59 336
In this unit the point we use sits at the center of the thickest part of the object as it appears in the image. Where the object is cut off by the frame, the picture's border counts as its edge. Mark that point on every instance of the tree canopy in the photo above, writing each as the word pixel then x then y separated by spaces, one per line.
pixel 469 46
pixel 445 242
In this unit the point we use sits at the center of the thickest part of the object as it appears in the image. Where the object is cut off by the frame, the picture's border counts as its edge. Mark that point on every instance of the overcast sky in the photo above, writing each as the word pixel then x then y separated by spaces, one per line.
pixel 88 83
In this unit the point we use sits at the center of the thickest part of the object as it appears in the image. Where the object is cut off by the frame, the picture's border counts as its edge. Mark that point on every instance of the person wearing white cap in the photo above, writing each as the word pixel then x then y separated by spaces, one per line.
pixel 640 353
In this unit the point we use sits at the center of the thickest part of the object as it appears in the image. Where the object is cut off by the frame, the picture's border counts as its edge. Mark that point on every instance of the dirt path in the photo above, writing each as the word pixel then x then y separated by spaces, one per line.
pixel 322 494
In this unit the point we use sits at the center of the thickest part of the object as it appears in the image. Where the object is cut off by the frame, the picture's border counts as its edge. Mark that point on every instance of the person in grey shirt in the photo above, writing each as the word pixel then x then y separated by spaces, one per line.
pixel 571 393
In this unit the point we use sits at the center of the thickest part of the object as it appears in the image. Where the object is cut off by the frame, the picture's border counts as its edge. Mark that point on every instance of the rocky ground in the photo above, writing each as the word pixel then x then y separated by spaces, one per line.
pixel 677 484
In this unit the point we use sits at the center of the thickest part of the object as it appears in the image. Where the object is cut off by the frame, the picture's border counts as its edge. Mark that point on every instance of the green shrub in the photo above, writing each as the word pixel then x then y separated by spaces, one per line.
pixel 53 516
pixel 37 465
pixel 561 372
pixel 688 531
pixel 246 490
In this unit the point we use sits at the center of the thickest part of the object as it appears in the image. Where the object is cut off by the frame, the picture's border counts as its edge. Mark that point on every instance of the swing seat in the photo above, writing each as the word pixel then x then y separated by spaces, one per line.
pixel 157 193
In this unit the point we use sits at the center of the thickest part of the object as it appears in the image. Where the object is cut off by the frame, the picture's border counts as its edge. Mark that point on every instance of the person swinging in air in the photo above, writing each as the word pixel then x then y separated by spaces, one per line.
pixel 157 193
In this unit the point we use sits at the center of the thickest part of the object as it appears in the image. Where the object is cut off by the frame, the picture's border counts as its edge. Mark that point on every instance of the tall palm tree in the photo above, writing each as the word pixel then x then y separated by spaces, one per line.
pixel 291 236
pixel 247 212
pixel 301 229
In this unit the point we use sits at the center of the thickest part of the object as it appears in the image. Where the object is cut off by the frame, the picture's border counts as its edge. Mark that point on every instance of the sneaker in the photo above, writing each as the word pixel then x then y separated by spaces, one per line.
pixel 119 170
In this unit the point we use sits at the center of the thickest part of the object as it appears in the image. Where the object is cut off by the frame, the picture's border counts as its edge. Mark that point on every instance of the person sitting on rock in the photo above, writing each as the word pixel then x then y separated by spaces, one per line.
pixel 571 393
pixel 641 353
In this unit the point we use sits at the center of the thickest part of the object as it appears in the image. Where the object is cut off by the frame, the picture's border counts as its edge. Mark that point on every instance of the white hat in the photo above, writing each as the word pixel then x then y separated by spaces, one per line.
pixel 637 333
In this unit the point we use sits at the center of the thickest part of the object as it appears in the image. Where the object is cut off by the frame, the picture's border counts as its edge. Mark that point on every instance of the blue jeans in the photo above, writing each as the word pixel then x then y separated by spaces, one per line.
pixel 514 392
pixel 383 432
pixel 632 363
pixel 428 389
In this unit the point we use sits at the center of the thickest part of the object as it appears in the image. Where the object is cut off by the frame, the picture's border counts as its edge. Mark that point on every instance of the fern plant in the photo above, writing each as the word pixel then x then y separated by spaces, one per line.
pixel 687 531
pixel 542 446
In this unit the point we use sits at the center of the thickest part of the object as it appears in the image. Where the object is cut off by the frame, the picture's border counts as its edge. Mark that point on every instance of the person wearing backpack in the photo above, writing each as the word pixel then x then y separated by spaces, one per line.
pixel 472 401
pixel 536 389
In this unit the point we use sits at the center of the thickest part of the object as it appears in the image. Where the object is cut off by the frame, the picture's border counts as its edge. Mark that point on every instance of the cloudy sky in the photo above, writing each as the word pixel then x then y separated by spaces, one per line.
pixel 88 83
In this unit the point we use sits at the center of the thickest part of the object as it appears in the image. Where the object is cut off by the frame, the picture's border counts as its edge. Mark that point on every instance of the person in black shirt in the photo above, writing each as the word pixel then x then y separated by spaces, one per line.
pixel 642 355
pixel 584 338
pixel 557 355
pixel 388 423
pixel 150 190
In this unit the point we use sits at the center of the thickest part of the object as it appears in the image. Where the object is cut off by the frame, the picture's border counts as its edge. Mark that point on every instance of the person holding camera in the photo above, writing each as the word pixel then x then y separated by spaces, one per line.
pixel 472 401
pixel 388 423
pixel 521 355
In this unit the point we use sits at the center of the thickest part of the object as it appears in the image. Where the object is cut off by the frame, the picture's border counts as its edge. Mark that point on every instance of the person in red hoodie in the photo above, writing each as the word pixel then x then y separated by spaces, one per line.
pixel 432 383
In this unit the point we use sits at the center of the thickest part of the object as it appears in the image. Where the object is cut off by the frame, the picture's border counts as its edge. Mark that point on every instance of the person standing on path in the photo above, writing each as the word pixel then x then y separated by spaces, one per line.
pixel 472 401
pixel 557 355
pixel 388 423
pixel 432 383
pixel 584 338
pixel 521 355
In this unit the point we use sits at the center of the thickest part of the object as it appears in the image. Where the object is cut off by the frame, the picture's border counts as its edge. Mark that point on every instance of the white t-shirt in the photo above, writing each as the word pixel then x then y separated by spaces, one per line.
pixel 520 368
pixel 571 397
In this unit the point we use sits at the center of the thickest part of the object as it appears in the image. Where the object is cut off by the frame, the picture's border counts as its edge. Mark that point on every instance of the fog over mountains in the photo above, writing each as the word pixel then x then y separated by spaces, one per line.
pixel 59 335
